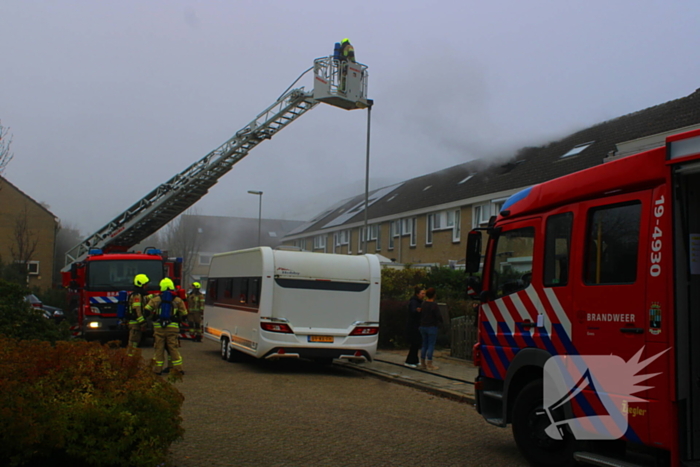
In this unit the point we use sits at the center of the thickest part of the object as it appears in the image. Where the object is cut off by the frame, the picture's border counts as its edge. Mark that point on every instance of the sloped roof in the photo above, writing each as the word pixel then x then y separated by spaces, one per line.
pixel 3 180
pixel 529 166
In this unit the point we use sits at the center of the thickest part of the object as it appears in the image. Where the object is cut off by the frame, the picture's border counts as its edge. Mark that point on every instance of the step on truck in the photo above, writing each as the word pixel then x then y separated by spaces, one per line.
pixel 275 304
pixel 589 315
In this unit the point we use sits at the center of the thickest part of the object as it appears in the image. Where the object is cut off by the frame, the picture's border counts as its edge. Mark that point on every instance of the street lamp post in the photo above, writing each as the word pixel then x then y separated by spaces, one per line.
pixel 258 193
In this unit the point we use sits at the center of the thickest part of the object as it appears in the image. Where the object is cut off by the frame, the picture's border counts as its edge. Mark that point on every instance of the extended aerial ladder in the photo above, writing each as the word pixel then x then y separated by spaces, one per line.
pixel 341 84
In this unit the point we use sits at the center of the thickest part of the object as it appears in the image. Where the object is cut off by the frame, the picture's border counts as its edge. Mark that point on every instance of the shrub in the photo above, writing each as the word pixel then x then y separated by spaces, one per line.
pixel 398 283
pixel 392 323
pixel 83 404
pixel 19 320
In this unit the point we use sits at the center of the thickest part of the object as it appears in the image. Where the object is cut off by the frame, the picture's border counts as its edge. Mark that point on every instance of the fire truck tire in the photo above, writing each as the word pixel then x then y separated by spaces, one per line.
pixel 529 422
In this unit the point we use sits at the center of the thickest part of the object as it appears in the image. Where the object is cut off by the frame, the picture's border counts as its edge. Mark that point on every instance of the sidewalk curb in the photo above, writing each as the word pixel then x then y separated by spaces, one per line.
pixel 441 392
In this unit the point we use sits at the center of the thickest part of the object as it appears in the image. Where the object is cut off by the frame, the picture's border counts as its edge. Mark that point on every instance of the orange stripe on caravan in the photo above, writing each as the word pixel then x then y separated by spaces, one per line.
pixel 212 331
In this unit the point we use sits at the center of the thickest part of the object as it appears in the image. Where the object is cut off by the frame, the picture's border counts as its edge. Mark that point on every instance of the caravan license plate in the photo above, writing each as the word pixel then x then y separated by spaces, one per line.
pixel 320 338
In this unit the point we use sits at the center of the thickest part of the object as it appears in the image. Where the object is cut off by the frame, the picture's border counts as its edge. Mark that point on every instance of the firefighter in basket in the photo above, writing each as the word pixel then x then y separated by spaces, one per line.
pixel 195 307
pixel 168 311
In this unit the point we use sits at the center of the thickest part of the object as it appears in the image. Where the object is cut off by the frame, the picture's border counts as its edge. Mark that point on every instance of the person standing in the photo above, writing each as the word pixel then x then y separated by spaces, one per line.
pixel 168 310
pixel 413 336
pixel 195 308
pixel 347 54
pixel 137 299
pixel 429 322
pixel 347 51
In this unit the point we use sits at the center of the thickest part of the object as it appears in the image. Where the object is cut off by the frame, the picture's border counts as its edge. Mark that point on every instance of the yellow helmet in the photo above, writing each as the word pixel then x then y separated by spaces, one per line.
pixel 140 280
pixel 196 285
pixel 345 40
pixel 166 284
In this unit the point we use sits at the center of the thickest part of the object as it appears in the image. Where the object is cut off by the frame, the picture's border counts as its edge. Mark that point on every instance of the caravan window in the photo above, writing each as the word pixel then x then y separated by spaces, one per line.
pixel 234 291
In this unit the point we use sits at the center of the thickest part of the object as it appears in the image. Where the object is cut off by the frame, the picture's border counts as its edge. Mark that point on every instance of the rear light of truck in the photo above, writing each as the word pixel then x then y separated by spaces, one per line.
pixel 365 331
pixel 276 327
pixel 476 354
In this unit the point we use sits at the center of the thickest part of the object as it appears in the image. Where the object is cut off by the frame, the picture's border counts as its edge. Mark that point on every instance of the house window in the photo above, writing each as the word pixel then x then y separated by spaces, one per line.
pixel 319 242
pixel 378 245
pixel 33 268
pixel 456 228
pixel 301 244
pixel 429 226
pixel 204 260
pixel 481 215
pixel 497 206
pixel 577 149
pixel 413 231
pixel 406 226
pixel 342 237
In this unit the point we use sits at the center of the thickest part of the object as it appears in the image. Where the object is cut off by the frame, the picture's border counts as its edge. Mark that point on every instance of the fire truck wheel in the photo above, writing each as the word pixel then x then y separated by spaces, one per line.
pixel 224 348
pixel 529 423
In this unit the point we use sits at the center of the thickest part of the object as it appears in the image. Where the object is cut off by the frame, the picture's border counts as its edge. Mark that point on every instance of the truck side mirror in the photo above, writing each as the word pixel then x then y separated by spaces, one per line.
pixel 473 252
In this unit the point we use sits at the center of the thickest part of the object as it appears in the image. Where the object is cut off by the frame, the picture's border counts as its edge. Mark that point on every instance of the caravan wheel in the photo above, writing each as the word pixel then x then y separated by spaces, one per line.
pixel 225 348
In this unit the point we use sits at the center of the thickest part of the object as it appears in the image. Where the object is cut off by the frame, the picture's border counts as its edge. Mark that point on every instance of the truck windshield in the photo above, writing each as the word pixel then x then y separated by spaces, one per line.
pixel 119 274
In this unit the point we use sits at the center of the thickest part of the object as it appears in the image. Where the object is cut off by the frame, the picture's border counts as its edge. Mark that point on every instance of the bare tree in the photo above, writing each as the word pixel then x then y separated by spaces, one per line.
pixel 5 147
pixel 181 238
pixel 23 242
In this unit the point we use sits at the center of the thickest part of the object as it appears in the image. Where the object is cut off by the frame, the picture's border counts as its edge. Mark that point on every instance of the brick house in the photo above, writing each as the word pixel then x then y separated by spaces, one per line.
pixel 424 220
pixel 23 219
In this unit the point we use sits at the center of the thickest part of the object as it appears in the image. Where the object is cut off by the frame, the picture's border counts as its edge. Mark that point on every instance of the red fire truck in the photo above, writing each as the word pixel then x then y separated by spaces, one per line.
pixel 602 262
pixel 95 282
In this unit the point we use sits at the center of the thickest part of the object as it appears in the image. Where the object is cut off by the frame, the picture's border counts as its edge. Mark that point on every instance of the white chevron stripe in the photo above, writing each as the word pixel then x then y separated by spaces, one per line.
pixel 507 316
pixel 524 314
pixel 561 314
pixel 104 300
pixel 535 298
pixel 490 317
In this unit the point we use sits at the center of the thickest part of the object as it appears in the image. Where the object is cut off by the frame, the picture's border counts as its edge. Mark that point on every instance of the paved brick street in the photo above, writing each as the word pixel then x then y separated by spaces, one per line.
pixel 294 413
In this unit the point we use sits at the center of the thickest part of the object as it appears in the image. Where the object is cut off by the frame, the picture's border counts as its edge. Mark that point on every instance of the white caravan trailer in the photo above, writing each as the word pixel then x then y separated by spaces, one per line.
pixel 293 304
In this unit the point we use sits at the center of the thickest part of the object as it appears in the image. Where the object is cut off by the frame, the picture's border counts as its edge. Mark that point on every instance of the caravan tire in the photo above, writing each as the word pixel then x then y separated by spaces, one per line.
pixel 225 348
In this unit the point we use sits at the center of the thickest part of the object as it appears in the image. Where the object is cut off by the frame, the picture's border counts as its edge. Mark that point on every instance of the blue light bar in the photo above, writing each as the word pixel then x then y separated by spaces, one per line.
pixel 95 251
pixel 153 251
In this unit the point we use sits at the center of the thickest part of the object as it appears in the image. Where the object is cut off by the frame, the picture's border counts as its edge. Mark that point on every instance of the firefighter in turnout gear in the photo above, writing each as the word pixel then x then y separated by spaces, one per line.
pixel 347 54
pixel 195 307
pixel 168 310
pixel 137 320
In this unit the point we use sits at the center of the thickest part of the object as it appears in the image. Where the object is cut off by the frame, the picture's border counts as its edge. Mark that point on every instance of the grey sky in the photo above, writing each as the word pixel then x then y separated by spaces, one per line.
pixel 106 100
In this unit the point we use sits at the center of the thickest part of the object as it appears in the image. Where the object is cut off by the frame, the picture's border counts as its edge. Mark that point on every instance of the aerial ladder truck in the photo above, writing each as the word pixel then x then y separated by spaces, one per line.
pixel 102 265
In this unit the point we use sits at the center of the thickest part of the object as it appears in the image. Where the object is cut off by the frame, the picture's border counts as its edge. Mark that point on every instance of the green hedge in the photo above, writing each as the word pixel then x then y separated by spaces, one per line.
pixel 83 404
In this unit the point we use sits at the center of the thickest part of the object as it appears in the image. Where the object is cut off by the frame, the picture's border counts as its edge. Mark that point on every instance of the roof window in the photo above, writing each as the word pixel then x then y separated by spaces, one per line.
pixel 466 179
pixel 577 149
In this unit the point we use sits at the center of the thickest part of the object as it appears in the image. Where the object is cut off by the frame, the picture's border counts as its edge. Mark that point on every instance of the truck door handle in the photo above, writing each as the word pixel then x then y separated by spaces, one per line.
pixel 527 324
pixel 632 330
